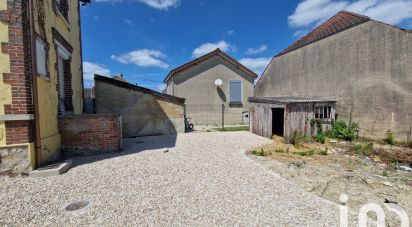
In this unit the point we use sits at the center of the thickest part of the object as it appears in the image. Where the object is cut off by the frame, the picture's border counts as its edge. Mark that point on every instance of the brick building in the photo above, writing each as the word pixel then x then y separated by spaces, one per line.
pixel 40 78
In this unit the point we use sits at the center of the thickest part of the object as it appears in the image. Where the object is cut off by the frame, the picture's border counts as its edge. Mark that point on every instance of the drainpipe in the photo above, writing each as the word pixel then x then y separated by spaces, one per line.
pixel 37 142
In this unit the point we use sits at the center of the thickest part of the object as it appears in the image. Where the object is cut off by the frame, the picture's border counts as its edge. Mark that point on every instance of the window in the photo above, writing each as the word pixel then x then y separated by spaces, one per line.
pixel 235 91
pixel 41 57
pixel 323 112
pixel 63 7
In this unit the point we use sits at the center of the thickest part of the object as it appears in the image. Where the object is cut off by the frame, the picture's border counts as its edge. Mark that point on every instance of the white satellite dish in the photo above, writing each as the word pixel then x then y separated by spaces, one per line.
pixel 218 82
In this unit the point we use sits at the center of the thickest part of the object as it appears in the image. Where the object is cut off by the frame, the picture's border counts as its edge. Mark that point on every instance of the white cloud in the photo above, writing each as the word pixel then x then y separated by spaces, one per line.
pixel 231 32
pixel 129 22
pixel 143 58
pixel 256 50
pixel 209 47
pixel 257 65
pixel 313 12
pixel 89 69
pixel 161 4
pixel 161 87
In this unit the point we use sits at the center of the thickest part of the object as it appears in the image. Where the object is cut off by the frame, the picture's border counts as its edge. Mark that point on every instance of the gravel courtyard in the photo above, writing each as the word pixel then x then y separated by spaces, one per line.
pixel 202 179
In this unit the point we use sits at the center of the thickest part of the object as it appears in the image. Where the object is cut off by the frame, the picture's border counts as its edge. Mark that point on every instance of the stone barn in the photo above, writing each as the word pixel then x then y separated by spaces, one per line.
pixel 282 116
pixel 144 112
pixel 363 63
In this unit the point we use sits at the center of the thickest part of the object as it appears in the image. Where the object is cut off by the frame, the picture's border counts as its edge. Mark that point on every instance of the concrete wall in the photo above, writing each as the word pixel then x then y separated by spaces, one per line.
pixel 86 134
pixel 368 68
pixel 142 114
pixel 197 86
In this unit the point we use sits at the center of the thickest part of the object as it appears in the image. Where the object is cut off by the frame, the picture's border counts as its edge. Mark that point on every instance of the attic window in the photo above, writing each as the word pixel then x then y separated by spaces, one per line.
pixel 63 7
pixel 235 91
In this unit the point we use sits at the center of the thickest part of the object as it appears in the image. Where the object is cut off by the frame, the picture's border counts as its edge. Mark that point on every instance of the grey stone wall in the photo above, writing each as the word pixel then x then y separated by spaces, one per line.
pixel 14 160
pixel 368 68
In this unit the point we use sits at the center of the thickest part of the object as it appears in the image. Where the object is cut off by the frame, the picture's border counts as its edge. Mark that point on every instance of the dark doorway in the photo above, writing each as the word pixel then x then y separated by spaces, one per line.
pixel 278 121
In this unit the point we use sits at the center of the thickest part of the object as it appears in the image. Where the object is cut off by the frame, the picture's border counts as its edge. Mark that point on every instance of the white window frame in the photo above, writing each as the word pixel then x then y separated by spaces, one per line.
pixel 241 91
pixel 322 108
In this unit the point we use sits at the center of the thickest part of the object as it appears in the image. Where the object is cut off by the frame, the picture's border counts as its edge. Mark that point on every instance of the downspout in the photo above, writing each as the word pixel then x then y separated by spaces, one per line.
pixel 37 141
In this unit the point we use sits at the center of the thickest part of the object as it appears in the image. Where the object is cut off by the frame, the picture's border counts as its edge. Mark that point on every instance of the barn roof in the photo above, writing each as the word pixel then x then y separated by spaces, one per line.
pixel 129 86
pixel 340 22
pixel 216 52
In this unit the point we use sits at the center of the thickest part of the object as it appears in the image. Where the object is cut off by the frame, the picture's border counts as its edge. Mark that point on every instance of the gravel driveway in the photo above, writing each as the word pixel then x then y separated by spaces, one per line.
pixel 204 179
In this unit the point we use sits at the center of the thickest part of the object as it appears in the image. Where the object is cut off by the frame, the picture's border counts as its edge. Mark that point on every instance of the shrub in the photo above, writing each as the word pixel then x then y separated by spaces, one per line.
pixel 281 150
pixel 320 138
pixel 389 137
pixel 342 131
pixel 298 139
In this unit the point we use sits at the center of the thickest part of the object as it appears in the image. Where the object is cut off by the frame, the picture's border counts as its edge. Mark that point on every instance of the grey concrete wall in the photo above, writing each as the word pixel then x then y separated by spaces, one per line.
pixel 368 68
pixel 142 114
pixel 197 86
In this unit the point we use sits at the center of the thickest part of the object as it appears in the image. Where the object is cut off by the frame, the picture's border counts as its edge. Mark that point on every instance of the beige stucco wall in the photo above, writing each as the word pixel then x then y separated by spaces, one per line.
pixel 47 87
pixel 142 114
pixel 197 86
pixel 368 68
pixel 5 89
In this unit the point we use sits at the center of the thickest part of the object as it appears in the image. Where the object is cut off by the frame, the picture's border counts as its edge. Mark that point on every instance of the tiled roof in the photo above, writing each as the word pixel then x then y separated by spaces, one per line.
pixel 207 56
pixel 340 22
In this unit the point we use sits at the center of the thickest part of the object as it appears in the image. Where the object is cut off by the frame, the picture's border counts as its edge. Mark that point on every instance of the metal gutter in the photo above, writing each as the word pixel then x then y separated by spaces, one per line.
pixel 37 141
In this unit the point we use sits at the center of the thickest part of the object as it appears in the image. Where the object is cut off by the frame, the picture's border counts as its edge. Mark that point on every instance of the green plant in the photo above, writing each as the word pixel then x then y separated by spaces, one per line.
pixel 365 149
pixel 306 153
pixel 281 150
pixel 385 173
pixel 342 131
pixel 261 152
pixel 298 139
pixel 395 165
pixel 389 137
pixel 318 124
pixel 320 138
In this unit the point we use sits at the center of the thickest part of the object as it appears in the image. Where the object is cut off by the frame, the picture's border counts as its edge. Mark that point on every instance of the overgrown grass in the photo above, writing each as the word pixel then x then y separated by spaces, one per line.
pixel 342 131
pixel 233 129
pixel 298 139
pixel 306 153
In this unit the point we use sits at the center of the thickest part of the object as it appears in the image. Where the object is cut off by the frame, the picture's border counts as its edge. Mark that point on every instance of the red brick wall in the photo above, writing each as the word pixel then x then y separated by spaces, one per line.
pixel 20 77
pixel 83 134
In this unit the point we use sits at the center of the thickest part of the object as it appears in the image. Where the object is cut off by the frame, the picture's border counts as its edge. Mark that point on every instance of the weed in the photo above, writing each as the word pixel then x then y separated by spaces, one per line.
pixel 320 138
pixel 281 150
pixel 389 137
pixel 298 139
pixel 342 131
pixel 363 149
pixel 385 173
pixel 261 152
pixel 395 165
pixel 306 153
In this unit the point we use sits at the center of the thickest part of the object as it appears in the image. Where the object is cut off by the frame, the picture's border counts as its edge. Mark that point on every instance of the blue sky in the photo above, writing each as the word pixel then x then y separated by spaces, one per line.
pixel 145 39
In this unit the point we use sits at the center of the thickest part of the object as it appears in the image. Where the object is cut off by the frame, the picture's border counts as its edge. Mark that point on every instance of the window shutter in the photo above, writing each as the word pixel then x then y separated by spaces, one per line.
pixel 41 57
pixel 235 91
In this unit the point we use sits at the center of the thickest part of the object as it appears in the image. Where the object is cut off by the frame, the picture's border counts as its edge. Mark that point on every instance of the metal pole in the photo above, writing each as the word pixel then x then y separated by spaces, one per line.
pixel 223 117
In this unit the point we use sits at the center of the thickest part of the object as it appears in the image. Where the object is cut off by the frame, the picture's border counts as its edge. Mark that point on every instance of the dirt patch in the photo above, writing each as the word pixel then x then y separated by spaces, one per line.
pixel 331 169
